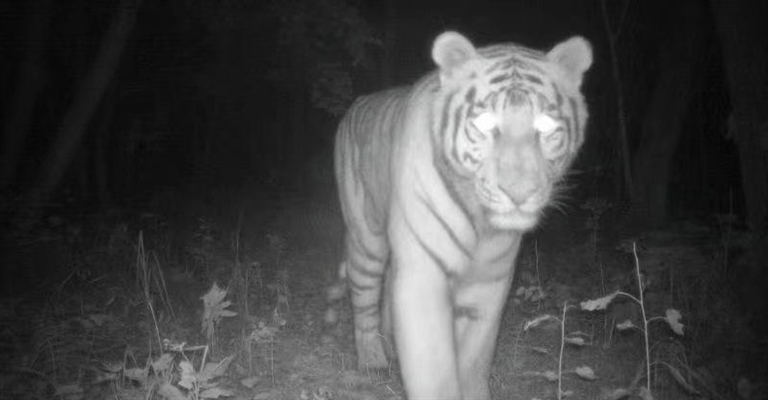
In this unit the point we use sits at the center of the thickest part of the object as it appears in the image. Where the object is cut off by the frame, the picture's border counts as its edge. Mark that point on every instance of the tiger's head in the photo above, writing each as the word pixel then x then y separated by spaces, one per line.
pixel 510 122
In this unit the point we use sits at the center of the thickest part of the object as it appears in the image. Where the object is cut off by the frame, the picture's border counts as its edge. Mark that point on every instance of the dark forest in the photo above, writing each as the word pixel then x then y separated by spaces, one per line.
pixel 167 165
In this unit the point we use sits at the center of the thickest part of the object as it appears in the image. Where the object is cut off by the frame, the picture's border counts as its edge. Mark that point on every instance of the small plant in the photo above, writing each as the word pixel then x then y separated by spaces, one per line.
pixel 576 338
pixel 596 207
pixel 279 246
pixel 175 380
pixel 265 334
pixel 149 275
pixel 215 308
pixel 282 294
pixel 672 318
pixel 189 383
pixel 531 290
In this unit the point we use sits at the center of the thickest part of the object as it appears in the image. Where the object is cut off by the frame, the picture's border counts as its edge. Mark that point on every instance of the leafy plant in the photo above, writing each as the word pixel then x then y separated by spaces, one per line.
pixel 214 309
pixel 672 318
pixel 576 338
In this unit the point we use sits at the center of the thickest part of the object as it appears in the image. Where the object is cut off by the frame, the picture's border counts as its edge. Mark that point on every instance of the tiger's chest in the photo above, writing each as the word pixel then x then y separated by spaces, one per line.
pixel 494 258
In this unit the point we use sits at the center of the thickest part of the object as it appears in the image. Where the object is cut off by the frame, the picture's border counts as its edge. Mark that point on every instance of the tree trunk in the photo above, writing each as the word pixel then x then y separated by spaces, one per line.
pixel 742 31
pixel 623 181
pixel 86 100
pixel 679 59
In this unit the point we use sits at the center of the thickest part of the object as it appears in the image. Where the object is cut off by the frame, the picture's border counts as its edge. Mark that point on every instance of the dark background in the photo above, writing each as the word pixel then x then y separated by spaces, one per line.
pixel 205 128
pixel 231 92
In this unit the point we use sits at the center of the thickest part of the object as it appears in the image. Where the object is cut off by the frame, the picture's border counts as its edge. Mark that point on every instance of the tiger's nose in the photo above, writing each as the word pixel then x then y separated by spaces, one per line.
pixel 520 191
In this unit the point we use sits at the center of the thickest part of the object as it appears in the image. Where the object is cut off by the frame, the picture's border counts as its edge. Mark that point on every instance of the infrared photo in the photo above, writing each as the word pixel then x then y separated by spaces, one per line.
pixel 384 199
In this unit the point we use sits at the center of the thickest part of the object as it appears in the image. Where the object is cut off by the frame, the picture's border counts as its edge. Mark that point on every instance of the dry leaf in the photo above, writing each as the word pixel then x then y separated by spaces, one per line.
pixel 673 319
pixel 598 304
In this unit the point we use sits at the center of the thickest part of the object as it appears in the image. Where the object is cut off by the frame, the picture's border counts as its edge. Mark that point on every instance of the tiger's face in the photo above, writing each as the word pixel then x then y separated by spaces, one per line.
pixel 511 149
pixel 513 132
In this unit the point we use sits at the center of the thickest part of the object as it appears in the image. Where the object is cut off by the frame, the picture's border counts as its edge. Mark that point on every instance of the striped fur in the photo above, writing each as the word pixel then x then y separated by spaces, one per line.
pixel 437 182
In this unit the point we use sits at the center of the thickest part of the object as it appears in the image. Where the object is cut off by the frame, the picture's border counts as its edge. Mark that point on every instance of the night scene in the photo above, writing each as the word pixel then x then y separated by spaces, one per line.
pixel 384 199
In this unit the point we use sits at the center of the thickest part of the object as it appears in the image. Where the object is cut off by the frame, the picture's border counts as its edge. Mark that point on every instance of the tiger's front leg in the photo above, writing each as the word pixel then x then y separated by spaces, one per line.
pixel 447 314
pixel 446 351
pixel 478 314
pixel 423 325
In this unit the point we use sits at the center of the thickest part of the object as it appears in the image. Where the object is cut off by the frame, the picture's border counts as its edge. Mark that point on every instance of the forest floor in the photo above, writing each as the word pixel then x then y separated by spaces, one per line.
pixel 197 299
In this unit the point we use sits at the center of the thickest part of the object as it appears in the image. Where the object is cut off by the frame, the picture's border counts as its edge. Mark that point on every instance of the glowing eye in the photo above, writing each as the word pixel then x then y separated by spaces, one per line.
pixel 485 122
pixel 545 124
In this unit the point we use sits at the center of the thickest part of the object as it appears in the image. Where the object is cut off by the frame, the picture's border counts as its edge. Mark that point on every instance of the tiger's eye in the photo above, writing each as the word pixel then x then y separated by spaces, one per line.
pixel 545 124
pixel 486 122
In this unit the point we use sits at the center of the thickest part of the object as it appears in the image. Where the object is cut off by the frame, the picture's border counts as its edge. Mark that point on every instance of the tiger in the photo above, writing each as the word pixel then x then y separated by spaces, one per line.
pixel 437 182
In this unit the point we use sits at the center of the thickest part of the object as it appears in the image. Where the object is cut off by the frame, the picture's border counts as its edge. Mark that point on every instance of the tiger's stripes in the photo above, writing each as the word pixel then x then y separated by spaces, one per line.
pixel 437 183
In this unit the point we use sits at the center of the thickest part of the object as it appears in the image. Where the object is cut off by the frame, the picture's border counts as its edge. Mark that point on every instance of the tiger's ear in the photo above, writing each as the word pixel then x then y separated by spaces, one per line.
pixel 451 52
pixel 574 57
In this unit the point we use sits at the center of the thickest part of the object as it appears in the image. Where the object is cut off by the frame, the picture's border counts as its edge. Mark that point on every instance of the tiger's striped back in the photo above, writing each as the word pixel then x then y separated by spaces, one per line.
pixel 370 130
pixel 438 181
